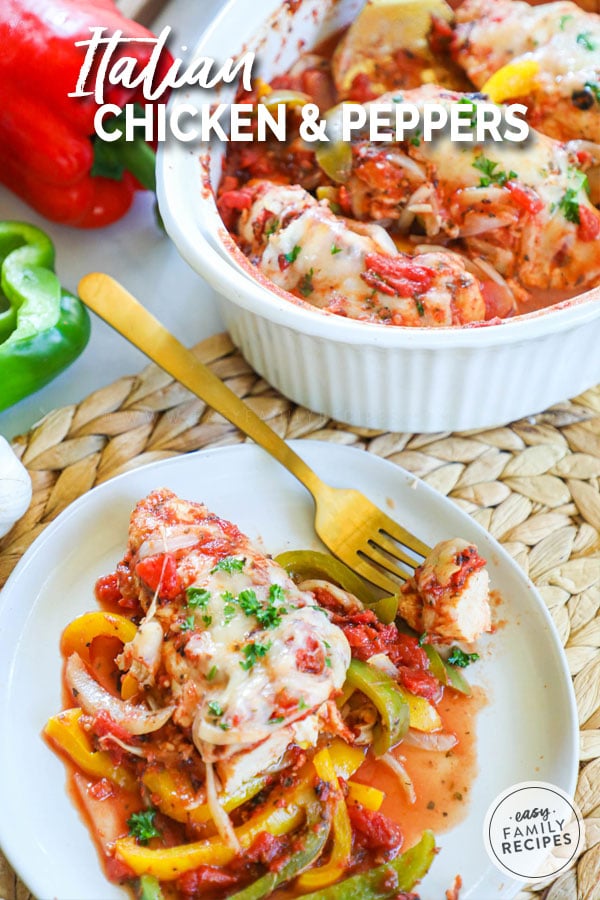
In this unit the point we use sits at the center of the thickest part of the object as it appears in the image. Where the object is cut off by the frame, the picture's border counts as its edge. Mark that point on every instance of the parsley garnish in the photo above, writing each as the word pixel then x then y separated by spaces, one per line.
pixel 188 623
pixel 420 307
pixel 215 708
pixel 229 611
pixel 197 597
pixel 569 206
pixel 141 825
pixel 461 659
pixel 249 602
pixel 273 226
pixel 252 652
pixel 472 109
pixel 223 726
pixel 266 616
pixel 302 704
pixel 276 720
pixel 586 41
pixel 211 673
pixel 207 620
pixel 335 249
pixel 306 285
pixel 490 175
pixel 416 138
pixel 292 256
pixel 276 594
pixel 563 21
pixel 328 662
pixel 229 564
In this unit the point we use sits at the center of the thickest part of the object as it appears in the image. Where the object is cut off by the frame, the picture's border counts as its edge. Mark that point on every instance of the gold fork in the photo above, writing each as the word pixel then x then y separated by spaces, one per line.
pixel 348 523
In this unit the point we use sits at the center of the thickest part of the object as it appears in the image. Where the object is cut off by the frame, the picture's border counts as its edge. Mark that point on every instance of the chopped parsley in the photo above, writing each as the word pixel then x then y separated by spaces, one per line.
pixel 273 226
pixel 490 174
pixel 292 256
pixel 563 21
pixel 197 597
pixel 328 646
pixel 302 703
pixel 276 594
pixel 420 307
pixel 253 652
pixel 471 109
pixel 335 249
pixel 223 726
pixel 569 206
pixel 189 623
pixel 461 659
pixel 306 285
pixel 416 138
pixel 585 39
pixel 249 602
pixel 328 662
pixel 229 612
pixel 594 87
pixel 141 825
pixel 229 564
pixel 215 708
pixel 276 720
pixel 211 673
pixel 267 616
pixel 207 620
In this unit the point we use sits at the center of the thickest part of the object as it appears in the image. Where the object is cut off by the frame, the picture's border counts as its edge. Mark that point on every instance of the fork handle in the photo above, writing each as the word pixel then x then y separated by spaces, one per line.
pixel 109 300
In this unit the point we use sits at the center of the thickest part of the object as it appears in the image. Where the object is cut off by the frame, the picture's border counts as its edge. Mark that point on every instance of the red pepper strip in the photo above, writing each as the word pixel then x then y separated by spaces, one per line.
pixel 46 150
pixel 397 275
pixel 589 224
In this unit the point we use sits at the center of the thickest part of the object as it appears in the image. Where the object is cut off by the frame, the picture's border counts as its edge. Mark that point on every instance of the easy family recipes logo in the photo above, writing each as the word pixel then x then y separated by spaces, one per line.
pixel 107 64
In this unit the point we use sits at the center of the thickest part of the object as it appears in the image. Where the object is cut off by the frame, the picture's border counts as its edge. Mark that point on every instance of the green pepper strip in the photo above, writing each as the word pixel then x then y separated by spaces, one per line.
pixel 390 704
pixel 409 868
pixel 302 565
pixel 448 675
pixel 318 825
pixel 149 888
pixel 44 328
pixel 113 158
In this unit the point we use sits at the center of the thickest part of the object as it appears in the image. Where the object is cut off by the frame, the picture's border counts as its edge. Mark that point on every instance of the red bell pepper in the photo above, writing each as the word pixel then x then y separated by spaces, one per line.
pixel 47 142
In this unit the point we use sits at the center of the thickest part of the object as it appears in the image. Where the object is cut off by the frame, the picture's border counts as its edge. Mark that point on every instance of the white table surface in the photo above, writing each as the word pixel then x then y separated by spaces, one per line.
pixel 134 251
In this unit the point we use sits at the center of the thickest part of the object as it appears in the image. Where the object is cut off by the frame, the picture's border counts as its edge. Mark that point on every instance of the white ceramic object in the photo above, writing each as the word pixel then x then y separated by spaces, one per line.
pixel 527 731
pixel 406 379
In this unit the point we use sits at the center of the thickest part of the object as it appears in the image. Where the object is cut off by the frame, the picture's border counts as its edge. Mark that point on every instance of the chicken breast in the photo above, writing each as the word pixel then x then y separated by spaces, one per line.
pixel 350 268
pixel 564 41
pixel 449 594
pixel 244 656
pixel 521 207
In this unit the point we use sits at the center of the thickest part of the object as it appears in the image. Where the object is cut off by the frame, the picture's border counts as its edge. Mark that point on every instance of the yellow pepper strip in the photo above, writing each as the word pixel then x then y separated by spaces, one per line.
pixel 346 759
pixel 168 863
pixel 369 797
pixel 515 79
pixel 129 687
pixel 342 832
pixel 423 716
pixel 175 798
pixel 79 634
pixel 66 733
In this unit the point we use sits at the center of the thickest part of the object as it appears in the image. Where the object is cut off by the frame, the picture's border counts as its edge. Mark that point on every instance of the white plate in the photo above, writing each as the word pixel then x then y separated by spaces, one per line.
pixel 528 731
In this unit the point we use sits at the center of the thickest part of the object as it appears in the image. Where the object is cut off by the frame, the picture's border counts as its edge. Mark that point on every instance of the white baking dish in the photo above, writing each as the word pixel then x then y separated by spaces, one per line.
pixel 392 378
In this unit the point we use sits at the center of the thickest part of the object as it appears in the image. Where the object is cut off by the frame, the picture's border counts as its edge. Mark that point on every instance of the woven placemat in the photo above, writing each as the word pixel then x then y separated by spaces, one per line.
pixel 534 484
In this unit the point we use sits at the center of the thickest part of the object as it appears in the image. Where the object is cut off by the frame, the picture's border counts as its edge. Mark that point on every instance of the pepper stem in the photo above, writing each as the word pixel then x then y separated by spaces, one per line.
pixel 112 158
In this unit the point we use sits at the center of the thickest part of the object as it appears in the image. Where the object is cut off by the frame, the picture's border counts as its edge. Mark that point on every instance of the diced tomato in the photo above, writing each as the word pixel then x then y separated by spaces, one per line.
pixel 311 658
pixel 589 224
pixel 199 880
pixel 525 197
pixel 368 636
pixel 267 849
pixel 159 573
pixel 421 683
pixel 284 703
pixel 397 275
pixel 360 89
pixel 104 723
pixel 107 589
pixel 440 35
pixel 102 789
pixel 372 830
pixel 233 202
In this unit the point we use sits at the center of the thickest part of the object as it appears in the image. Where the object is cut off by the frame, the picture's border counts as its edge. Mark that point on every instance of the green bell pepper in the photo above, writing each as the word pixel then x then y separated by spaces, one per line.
pixel 387 880
pixel 148 888
pixel 315 837
pixel 394 712
pixel 43 328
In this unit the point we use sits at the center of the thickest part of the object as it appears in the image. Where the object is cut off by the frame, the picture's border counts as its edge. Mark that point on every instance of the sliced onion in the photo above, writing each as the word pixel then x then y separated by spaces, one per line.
pixel 440 742
pixel 480 223
pixel 135 751
pixel 178 538
pixel 93 699
pixel 384 664
pixel 403 777
pixel 218 814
